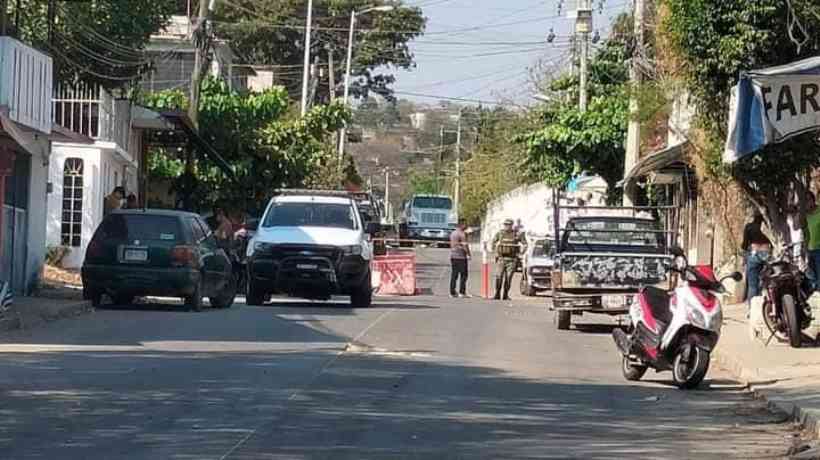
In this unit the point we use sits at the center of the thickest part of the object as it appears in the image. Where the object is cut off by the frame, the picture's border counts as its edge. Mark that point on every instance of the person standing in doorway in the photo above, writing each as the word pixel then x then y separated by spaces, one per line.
pixel 757 247
pixel 459 259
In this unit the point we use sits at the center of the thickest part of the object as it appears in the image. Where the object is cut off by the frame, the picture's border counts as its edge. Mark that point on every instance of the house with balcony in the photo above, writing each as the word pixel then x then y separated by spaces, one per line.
pixel 25 134
pixel 103 152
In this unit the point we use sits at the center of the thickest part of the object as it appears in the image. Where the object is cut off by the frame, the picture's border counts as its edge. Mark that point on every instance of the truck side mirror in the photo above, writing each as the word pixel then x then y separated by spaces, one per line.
pixel 372 228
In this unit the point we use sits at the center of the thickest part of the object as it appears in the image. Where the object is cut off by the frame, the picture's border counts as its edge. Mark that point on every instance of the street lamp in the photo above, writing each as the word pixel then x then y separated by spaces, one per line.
pixel 353 15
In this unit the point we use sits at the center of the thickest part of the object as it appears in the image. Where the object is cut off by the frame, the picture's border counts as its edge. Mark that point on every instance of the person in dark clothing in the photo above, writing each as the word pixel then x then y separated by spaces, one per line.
pixel 459 258
pixel 757 246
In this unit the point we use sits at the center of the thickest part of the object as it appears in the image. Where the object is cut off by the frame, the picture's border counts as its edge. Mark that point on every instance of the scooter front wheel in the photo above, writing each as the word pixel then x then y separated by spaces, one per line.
pixel 690 366
pixel 631 371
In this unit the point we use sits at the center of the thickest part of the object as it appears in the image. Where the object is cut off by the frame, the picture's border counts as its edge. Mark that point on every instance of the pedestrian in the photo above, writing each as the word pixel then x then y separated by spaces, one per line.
pixel 131 202
pixel 224 228
pixel 508 246
pixel 459 260
pixel 757 246
pixel 114 200
pixel 519 227
pixel 813 246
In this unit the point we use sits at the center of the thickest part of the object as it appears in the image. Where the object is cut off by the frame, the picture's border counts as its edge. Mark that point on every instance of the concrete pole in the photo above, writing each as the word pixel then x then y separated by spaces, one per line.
pixel 306 65
pixel 348 65
pixel 633 136
pixel 457 198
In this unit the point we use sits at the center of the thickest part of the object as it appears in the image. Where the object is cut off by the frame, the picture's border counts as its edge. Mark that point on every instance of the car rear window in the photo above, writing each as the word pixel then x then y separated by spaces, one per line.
pixel 140 227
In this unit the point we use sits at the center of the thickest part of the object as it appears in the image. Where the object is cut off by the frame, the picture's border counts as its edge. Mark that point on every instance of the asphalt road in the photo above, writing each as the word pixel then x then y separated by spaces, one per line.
pixel 423 377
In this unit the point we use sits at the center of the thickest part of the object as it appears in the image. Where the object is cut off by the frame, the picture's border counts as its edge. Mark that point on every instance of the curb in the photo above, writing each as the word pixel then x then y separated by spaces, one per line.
pixel 746 377
pixel 15 321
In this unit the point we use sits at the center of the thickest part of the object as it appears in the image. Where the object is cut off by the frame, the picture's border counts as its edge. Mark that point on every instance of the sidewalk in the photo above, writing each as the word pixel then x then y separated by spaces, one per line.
pixel 31 312
pixel 788 378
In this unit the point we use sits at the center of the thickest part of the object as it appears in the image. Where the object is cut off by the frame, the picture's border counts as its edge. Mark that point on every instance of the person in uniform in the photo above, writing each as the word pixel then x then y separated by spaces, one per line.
pixel 508 245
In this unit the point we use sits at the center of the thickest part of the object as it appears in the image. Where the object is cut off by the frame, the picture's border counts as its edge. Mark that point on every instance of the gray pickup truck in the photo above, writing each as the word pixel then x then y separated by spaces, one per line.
pixel 603 261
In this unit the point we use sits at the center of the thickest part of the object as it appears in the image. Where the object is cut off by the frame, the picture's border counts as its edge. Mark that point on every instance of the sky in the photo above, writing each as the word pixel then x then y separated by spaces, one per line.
pixel 485 49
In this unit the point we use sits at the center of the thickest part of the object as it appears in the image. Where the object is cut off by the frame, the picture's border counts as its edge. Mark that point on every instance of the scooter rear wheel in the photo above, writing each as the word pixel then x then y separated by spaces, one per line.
pixel 631 371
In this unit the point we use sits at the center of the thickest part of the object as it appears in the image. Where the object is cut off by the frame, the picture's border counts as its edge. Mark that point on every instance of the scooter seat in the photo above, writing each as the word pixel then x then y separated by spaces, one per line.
pixel 658 301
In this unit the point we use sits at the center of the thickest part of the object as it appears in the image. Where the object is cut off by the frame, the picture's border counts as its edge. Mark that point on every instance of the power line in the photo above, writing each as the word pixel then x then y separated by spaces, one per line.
pixel 445 98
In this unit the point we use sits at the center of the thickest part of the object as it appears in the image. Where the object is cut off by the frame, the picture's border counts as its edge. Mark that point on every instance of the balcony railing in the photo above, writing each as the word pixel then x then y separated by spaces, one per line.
pixel 91 111
pixel 26 84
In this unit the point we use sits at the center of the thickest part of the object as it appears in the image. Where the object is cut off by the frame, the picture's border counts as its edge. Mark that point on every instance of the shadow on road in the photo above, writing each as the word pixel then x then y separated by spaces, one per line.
pixel 360 405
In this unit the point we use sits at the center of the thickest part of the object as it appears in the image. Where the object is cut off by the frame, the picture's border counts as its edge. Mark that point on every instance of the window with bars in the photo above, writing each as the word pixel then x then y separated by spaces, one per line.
pixel 72 222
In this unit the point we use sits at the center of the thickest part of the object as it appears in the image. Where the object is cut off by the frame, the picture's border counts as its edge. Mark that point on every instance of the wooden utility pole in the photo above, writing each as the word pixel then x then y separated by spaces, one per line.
pixel 457 193
pixel 633 136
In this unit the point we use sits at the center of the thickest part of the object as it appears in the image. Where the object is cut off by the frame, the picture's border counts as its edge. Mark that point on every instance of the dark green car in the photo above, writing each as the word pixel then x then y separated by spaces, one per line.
pixel 158 253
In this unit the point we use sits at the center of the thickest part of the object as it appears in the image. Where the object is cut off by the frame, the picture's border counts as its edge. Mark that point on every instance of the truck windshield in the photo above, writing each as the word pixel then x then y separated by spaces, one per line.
pixel 430 202
pixel 615 232
pixel 542 248
pixel 310 215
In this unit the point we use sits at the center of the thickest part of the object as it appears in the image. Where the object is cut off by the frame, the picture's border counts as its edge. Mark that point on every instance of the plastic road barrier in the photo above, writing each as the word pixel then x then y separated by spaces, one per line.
pixel 394 273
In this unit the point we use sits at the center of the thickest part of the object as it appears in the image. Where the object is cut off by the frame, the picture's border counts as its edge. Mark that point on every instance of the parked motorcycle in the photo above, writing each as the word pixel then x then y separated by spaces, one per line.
pixel 786 291
pixel 675 330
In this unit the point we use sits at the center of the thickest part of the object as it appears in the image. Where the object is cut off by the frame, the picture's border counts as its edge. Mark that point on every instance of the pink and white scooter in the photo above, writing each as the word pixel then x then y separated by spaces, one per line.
pixel 675 331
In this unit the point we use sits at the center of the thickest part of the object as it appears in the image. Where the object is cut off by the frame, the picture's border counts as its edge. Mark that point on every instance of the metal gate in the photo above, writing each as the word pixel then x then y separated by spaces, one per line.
pixel 15 224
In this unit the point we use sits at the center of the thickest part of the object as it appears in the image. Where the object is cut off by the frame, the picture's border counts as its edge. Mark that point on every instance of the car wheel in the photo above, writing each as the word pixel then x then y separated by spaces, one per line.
pixel 194 301
pixel 228 295
pixel 254 296
pixel 123 299
pixel 363 296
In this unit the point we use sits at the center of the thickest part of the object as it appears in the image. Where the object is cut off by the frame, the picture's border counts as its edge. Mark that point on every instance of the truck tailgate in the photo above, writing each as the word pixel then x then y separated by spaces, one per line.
pixel 592 271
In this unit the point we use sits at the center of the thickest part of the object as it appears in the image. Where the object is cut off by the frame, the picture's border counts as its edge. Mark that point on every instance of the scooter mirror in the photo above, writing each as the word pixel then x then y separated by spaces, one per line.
pixel 737 277
pixel 676 251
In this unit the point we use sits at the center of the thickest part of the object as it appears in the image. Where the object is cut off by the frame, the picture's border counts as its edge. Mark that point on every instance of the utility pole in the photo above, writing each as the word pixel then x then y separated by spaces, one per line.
pixel 201 42
pixel 50 13
pixel 633 136
pixel 457 199
pixel 4 17
pixel 331 76
pixel 306 66
pixel 583 26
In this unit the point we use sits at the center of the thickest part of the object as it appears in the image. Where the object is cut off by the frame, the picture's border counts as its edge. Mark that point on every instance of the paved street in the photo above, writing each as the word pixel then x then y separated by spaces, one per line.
pixel 422 377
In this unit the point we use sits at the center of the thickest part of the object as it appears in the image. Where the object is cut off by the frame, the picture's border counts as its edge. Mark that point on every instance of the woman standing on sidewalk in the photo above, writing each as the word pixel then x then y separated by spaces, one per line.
pixel 757 246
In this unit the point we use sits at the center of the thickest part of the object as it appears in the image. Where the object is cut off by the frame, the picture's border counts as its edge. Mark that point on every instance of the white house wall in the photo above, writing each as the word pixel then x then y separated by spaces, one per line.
pixel 92 199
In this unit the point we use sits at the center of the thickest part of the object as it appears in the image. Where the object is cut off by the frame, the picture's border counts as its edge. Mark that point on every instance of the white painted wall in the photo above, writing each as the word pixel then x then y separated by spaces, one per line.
pixel 92 200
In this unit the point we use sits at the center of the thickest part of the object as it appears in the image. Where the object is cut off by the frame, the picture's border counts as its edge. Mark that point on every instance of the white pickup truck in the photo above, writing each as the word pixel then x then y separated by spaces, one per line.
pixel 313 245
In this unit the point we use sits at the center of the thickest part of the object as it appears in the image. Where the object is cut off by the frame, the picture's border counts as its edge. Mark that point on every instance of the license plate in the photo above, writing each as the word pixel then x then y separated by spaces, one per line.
pixel 614 302
pixel 135 255
pixel 307 266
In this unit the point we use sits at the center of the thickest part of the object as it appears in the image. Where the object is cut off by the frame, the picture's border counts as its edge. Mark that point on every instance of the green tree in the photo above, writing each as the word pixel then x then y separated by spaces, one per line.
pixel 265 142
pixel 496 165
pixel 716 40
pixel 271 32
pixel 99 41
pixel 567 141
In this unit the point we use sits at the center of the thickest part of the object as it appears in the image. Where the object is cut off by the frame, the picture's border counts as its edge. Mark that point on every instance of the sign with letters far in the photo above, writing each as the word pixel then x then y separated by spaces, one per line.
pixel 771 105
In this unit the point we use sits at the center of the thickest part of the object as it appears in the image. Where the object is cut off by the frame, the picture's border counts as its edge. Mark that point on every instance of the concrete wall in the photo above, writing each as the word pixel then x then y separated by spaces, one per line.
pixel 37 211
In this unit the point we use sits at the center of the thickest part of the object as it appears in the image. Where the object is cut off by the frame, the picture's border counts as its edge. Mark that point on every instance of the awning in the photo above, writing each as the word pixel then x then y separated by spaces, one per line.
pixel 145 118
pixel 655 162
pixel 29 139
pixel 183 122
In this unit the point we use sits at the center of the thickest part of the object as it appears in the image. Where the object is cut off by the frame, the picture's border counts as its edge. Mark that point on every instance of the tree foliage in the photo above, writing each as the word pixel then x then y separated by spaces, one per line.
pixel 716 40
pixel 99 42
pixel 265 143
pixel 496 165
pixel 272 32
pixel 567 141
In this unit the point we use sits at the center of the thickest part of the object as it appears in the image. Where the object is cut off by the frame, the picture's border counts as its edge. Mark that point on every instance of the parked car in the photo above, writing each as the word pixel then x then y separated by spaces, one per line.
pixel 313 245
pixel 157 252
pixel 538 265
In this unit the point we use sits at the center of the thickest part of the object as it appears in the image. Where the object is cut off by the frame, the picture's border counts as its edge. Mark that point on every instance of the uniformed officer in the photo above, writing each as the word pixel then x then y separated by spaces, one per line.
pixel 508 246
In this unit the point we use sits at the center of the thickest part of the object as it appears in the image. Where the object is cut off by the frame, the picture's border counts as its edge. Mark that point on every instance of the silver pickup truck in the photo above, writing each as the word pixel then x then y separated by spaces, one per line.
pixel 602 262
